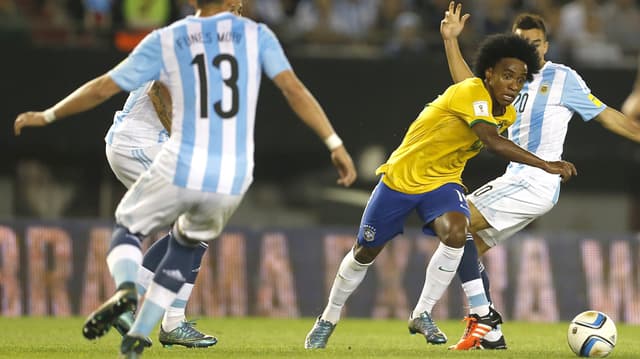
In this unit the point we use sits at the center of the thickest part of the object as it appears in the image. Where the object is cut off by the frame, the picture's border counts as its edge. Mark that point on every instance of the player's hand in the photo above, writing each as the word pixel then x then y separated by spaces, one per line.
pixel 28 119
pixel 343 163
pixel 452 24
pixel 565 169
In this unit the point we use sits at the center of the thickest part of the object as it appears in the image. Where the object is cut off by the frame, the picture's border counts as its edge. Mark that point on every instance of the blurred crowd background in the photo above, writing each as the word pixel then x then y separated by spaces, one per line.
pixel 372 47
pixel 392 28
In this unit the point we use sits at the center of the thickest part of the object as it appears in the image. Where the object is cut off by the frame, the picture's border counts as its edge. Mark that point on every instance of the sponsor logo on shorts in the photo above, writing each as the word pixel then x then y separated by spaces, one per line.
pixel 446 270
pixel 369 233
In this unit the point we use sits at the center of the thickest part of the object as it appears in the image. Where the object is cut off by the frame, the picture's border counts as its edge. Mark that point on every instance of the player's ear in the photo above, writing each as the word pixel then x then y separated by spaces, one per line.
pixel 488 73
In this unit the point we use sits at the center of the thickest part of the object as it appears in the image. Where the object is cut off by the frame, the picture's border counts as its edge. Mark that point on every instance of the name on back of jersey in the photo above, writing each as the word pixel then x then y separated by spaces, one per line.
pixel 207 38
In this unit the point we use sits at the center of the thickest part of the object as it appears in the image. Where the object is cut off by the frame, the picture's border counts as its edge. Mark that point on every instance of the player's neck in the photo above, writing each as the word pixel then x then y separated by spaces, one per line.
pixel 210 10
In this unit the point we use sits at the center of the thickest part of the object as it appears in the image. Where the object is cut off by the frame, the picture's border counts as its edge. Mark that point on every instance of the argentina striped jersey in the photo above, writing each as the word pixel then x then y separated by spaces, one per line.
pixel 544 108
pixel 136 125
pixel 212 67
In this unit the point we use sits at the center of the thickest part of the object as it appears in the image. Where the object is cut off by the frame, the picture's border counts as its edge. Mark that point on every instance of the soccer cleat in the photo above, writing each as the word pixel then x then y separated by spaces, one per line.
pixel 100 321
pixel 319 334
pixel 477 328
pixel 132 347
pixel 425 325
pixel 124 323
pixel 497 345
pixel 186 335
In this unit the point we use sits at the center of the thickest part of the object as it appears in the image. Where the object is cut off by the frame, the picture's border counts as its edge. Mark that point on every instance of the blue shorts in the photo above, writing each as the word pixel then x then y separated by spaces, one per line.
pixel 387 211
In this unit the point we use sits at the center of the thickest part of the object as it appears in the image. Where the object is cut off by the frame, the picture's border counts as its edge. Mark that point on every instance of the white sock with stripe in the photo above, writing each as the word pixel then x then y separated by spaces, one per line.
pixel 440 271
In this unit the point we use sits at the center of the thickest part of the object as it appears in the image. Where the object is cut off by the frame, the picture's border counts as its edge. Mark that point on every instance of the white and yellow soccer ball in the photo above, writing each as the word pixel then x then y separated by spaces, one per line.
pixel 592 334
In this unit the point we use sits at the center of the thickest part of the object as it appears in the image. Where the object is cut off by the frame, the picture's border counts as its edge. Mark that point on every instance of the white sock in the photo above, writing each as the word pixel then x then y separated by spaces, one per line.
pixel 145 276
pixel 350 275
pixel 175 314
pixel 440 271
pixel 494 334
pixel 478 303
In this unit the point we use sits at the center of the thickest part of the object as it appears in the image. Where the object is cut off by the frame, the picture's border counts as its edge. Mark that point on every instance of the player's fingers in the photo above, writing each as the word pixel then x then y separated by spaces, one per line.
pixel 17 126
pixel 458 9
pixel 451 6
pixel 464 18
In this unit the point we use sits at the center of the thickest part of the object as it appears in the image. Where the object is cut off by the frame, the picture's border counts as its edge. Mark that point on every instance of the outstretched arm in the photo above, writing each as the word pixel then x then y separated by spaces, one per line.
pixel 309 110
pixel 631 106
pixel 450 28
pixel 505 148
pixel 620 124
pixel 86 97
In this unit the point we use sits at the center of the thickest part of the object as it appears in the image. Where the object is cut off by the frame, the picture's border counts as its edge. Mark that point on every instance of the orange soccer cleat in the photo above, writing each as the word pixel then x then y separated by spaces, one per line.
pixel 477 328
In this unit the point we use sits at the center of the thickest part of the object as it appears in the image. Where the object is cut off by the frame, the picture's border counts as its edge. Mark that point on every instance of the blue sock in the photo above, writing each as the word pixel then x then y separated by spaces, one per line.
pixel 175 314
pixel 155 253
pixel 124 256
pixel 197 262
pixel 175 267
pixel 169 277
pixel 469 275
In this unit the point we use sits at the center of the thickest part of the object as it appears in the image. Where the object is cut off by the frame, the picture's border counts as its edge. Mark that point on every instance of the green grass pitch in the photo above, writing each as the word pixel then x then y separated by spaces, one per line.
pixel 283 338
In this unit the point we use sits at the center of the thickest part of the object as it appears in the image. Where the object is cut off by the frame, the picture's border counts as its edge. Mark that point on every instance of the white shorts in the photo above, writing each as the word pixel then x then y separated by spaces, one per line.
pixel 129 164
pixel 153 203
pixel 509 203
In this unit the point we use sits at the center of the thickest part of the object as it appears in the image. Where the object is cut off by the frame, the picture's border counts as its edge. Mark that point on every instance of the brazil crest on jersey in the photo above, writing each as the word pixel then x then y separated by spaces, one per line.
pixel 439 142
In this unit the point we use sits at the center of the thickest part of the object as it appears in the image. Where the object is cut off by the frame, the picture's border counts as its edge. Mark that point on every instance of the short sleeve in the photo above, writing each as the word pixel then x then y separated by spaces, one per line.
pixel 142 65
pixel 472 103
pixel 272 56
pixel 577 97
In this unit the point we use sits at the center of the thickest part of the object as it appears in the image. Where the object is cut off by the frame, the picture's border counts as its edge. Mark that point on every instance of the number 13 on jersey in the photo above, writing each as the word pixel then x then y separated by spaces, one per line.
pixel 227 64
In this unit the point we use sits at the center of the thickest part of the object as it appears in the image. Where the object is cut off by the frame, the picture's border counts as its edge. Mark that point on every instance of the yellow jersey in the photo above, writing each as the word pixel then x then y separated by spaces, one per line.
pixel 439 142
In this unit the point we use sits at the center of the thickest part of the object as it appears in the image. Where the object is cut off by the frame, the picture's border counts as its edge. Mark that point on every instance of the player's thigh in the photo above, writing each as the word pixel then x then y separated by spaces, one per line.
pixel 492 236
pixel 206 220
pixel 152 203
pixel 506 205
pixel 384 216
pixel 448 198
pixel 128 164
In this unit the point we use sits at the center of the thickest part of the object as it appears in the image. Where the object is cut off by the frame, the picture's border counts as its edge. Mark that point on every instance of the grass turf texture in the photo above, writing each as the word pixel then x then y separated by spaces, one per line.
pixel 277 338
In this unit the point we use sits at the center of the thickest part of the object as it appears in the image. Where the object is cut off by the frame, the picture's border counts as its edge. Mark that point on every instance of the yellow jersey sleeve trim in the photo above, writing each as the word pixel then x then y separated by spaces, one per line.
pixel 481 120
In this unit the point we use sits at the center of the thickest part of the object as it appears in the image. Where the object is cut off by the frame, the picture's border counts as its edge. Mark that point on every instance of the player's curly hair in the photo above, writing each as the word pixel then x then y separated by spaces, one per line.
pixel 499 46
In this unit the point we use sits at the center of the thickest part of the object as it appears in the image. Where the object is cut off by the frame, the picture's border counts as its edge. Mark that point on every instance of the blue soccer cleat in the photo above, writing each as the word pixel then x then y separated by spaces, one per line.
pixel 319 334
pixel 187 336
pixel 425 325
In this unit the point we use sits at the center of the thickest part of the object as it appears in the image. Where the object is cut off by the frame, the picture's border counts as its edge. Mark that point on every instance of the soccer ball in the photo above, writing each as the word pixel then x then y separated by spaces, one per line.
pixel 592 334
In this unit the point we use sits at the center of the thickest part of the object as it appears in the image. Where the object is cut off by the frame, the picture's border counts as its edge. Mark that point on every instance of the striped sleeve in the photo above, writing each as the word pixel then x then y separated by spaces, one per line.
pixel 141 66
pixel 272 56
pixel 578 98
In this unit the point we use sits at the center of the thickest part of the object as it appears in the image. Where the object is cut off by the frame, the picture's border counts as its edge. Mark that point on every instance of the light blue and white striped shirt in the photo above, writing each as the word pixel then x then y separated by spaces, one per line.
pixel 544 108
pixel 212 67
pixel 137 125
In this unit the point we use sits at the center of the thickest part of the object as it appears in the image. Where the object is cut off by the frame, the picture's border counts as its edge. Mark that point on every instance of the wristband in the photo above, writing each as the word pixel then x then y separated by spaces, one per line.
pixel 49 115
pixel 333 142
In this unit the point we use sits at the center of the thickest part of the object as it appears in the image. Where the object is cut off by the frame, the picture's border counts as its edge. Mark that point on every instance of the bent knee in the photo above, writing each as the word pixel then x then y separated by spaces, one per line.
pixel 456 236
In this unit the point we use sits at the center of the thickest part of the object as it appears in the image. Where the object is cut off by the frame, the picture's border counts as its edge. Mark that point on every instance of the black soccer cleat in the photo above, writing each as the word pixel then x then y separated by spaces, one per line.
pixel 499 344
pixel 102 319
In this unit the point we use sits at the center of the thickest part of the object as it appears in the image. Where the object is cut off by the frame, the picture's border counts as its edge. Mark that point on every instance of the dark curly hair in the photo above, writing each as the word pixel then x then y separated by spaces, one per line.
pixel 497 47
